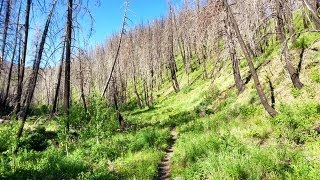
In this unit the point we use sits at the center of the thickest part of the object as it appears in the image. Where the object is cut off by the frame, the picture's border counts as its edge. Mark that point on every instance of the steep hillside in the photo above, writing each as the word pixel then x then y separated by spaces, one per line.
pixel 220 134
pixel 223 135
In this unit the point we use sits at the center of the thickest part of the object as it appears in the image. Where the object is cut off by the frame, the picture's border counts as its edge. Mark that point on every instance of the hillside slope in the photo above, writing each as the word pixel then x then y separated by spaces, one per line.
pixel 220 134
pixel 223 135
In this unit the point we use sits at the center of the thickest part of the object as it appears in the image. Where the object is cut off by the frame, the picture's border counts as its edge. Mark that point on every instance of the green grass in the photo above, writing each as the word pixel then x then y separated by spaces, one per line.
pixel 237 144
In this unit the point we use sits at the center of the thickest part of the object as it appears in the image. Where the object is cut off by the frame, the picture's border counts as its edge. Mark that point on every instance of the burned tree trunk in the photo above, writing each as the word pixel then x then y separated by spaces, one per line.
pixel 285 50
pixel 83 98
pixel 204 58
pixel 172 62
pixel 115 99
pixel 124 22
pixel 12 60
pixel 233 56
pixel 249 58
pixel 56 94
pixel 23 60
pixel 34 76
pixel 287 17
pixel 67 82
pixel 135 89
pixel 313 10
pixel 5 33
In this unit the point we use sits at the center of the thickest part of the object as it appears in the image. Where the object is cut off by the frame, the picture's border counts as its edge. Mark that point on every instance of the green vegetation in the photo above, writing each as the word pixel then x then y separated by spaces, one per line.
pixel 221 134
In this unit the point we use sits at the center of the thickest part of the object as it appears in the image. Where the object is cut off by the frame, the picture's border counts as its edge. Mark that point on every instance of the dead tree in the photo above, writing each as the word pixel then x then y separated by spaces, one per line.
pixel 115 99
pixel 314 13
pixel 249 59
pixel 82 86
pixel 233 56
pixel 23 60
pixel 12 59
pixel 57 88
pixel 172 61
pixel 34 75
pixel 124 23
pixel 288 17
pixel 284 44
pixel 5 33
pixel 67 82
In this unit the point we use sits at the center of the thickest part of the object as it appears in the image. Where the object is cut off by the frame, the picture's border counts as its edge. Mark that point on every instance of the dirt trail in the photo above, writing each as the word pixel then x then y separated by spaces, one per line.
pixel 164 169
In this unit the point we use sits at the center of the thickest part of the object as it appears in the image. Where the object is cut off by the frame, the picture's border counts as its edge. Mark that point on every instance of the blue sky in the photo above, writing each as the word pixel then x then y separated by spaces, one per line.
pixel 108 16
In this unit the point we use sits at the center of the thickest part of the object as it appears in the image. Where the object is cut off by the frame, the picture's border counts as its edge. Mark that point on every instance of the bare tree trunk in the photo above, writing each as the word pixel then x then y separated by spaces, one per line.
pixel 140 103
pixel 5 33
pixel 183 55
pixel 282 34
pixel 12 59
pixel 135 90
pixel 145 90
pixel 67 82
pixel 204 58
pixel 151 86
pixel 118 49
pixel 273 98
pixel 190 60
pixel 33 81
pixel 82 87
pixel 246 52
pixel 289 21
pixel 181 45
pixel 56 94
pixel 172 62
pixel 313 12
pixel 119 116
pixel 233 56
pixel 23 60
pixel 305 17
pixel 19 62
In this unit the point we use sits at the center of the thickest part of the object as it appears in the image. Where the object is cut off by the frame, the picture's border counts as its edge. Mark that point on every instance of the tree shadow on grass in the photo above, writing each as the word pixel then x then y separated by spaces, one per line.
pixel 177 119
pixel 144 111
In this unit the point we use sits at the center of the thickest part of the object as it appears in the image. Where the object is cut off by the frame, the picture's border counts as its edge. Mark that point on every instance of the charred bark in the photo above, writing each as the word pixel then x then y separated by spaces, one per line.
pixel 249 58
pixel 233 56
pixel 67 83
pixel 172 62
pixel 285 50
pixel 5 33
pixel 12 60
pixel 23 60
pixel 57 89
pixel 34 75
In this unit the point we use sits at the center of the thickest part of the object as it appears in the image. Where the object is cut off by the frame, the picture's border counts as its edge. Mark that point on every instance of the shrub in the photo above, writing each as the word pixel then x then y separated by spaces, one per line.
pixel 35 140
pixel 40 110
pixel 7 136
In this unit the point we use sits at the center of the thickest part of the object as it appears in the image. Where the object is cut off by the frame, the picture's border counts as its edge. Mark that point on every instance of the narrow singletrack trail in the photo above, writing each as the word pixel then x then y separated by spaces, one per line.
pixel 164 168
